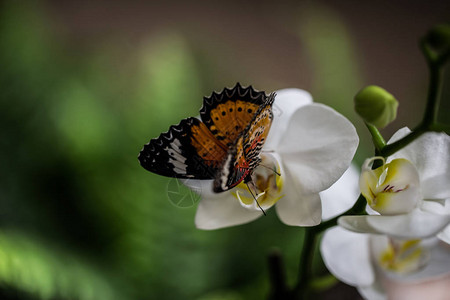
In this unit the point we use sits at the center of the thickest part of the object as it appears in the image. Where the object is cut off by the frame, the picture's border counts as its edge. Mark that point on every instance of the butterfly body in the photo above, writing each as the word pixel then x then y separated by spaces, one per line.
pixel 224 145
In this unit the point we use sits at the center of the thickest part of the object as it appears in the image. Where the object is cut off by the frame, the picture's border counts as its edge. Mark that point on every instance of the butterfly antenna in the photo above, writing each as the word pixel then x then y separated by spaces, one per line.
pixel 254 197
pixel 272 169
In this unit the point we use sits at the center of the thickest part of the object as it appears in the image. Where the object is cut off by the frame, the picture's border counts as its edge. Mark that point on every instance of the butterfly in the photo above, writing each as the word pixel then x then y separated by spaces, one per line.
pixel 223 145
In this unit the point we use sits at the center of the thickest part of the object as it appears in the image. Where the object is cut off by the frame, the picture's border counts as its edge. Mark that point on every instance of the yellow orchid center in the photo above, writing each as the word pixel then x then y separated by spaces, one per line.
pixel 266 186
pixel 393 188
pixel 404 256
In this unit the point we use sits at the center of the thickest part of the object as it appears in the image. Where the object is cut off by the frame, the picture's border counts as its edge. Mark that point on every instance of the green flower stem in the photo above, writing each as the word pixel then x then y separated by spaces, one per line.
pixel 430 56
pixel 441 128
pixel 442 59
pixel 277 276
pixel 377 138
pixel 390 149
pixel 310 238
pixel 359 208
pixel 435 64
pixel 429 121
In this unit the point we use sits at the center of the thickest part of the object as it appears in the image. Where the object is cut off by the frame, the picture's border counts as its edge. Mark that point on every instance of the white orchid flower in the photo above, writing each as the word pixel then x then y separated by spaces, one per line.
pixel 386 268
pixel 410 191
pixel 309 144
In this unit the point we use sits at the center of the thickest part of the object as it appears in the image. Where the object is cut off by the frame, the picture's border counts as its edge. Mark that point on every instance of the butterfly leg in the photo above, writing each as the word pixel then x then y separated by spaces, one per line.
pixel 248 180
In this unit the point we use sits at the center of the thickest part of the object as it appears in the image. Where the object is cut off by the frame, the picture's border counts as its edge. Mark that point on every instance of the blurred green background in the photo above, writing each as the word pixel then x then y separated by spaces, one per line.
pixel 85 84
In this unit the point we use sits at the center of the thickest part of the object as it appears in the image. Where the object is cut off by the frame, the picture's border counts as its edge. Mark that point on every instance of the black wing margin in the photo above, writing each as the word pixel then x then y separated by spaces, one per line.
pixel 172 154
pixel 247 94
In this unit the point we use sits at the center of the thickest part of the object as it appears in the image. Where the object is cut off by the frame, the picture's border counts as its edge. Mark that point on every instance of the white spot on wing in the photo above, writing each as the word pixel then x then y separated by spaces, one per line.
pixel 176 159
pixel 226 172
pixel 178 165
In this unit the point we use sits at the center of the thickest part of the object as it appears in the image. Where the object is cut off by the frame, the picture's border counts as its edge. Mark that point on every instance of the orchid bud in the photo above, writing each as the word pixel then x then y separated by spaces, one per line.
pixel 376 106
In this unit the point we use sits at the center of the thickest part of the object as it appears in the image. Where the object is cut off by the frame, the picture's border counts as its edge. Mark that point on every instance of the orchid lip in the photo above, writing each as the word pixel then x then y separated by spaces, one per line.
pixel 265 188
pixel 393 188
pixel 403 256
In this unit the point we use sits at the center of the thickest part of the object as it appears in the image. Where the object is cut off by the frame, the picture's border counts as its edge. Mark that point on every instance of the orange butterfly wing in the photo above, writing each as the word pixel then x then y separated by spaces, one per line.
pixel 243 158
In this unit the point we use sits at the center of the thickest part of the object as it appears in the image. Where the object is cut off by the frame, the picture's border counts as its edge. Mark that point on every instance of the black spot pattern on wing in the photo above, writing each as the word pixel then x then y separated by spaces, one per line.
pixel 244 156
pixel 257 131
pixel 227 114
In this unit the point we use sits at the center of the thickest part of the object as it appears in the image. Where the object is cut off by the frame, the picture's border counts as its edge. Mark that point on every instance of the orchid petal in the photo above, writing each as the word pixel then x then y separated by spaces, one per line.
pixel 218 210
pixel 430 153
pixel 400 257
pixel 317 147
pixel 356 224
pixel 399 134
pixel 202 187
pixel 437 264
pixel 436 289
pixel 369 179
pixel 287 101
pixel 438 207
pixel 373 292
pixel 342 195
pixel 296 208
pixel 347 256
pixel 221 211
pixel 417 224
pixel 444 235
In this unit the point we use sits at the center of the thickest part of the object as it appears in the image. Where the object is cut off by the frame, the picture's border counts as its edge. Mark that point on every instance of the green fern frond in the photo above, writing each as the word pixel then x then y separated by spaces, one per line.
pixel 26 264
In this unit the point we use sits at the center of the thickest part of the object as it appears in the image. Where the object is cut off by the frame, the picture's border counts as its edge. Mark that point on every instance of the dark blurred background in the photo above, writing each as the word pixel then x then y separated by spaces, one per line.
pixel 84 84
